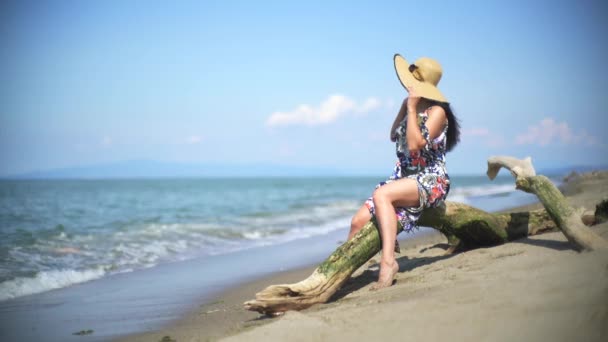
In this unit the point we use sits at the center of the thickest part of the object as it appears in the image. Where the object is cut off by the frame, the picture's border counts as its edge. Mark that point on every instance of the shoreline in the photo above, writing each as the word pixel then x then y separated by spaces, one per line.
pixel 224 316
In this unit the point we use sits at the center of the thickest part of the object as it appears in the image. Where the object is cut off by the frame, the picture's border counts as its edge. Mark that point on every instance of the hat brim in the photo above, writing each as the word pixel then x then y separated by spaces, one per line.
pixel 424 89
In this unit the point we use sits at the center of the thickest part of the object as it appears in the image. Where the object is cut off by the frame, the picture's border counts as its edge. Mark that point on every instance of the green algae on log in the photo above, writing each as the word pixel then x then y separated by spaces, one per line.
pixel 565 217
pixel 471 226
pixel 329 276
pixel 468 226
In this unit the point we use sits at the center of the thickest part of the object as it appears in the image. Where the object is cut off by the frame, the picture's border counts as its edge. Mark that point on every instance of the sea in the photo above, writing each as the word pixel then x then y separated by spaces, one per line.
pixel 55 234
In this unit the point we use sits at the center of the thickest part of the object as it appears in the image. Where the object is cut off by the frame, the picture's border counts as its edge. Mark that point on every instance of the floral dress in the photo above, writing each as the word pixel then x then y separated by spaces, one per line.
pixel 426 166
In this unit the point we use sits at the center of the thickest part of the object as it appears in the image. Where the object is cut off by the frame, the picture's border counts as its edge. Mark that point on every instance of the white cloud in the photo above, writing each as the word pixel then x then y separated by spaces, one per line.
pixel 548 131
pixel 370 104
pixel 330 110
pixel 390 104
pixel 483 134
pixel 194 139
pixel 476 132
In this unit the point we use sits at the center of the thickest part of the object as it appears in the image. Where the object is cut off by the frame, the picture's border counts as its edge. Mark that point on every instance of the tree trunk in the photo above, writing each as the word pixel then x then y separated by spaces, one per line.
pixel 470 226
pixel 565 217
pixel 325 280
pixel 568 221
pixel 473 227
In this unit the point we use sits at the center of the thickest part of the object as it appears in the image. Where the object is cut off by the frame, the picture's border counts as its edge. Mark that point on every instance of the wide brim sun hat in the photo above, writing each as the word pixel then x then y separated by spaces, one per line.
pixel 423 75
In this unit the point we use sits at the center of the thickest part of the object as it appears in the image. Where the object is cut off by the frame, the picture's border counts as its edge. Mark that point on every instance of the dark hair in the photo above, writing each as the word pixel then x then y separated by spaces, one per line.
pixel 453 125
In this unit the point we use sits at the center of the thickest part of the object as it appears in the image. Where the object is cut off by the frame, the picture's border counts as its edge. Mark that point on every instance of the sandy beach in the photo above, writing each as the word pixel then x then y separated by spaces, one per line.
pixel 532 289
pixel 164 163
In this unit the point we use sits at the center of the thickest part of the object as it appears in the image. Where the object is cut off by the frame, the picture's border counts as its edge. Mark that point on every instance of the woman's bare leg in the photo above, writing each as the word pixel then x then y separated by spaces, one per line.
pixel 359 220
pixel 400 193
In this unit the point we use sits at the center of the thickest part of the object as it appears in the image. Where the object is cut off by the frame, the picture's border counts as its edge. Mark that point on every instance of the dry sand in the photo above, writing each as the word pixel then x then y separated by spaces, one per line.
pixel 534 289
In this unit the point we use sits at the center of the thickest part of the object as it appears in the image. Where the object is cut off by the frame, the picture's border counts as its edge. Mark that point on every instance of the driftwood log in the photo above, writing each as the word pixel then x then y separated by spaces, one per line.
pixel 567 219
pixel 464 226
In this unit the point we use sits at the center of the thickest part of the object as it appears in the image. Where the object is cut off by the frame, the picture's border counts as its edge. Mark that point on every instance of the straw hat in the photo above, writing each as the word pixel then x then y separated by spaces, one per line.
pixel 423 75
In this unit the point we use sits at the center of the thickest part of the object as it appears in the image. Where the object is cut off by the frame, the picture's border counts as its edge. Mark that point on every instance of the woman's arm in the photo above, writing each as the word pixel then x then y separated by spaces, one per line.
pixel 398 119
pixel 416 140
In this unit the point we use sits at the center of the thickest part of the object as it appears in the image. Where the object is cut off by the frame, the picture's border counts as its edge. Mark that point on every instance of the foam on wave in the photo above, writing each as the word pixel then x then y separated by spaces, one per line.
pixel 45 281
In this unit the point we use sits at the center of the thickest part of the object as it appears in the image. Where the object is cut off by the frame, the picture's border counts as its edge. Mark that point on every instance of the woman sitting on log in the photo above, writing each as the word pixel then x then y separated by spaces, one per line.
pixel 424 130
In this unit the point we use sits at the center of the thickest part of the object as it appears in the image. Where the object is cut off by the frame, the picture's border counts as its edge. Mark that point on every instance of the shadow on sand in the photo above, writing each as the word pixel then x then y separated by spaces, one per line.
pixel 552 244
pixel 370 275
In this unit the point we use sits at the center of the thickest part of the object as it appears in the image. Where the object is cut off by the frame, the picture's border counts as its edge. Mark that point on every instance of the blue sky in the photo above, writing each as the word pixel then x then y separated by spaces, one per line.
pixel 88 82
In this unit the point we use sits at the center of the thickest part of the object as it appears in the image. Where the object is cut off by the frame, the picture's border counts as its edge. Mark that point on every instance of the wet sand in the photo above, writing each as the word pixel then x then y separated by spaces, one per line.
pixel 225 316
pixel 532 289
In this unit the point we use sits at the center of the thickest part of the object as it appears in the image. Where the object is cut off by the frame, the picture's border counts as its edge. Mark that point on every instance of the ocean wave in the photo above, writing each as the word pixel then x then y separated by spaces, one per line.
pixel 481 190
pixel 127 237
pixel 45 281
pixel 322 229
pixel 303 215
pixel 136 245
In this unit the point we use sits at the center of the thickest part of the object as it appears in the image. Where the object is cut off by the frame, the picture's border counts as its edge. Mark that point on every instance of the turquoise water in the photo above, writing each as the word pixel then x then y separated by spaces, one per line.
pixel 55 233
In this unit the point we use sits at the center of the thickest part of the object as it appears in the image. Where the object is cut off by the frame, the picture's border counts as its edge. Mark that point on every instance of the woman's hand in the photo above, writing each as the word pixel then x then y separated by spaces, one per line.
pixel 412 100
pixel 414 138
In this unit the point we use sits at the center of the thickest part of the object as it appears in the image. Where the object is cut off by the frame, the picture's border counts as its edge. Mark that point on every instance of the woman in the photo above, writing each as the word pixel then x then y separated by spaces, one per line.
pixel 424 130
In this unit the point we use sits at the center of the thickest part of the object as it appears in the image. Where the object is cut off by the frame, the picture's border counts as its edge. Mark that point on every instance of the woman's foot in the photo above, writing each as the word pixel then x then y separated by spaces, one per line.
pixel 388 270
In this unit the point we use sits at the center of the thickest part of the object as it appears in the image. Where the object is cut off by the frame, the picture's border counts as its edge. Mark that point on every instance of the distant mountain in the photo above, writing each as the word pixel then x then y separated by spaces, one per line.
pixel 157 169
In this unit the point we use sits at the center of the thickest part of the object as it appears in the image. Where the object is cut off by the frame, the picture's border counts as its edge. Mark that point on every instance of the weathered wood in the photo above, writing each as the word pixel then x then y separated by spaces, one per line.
pixel 461 223
pixel 565 217
pixel 325 280
pixel 471 226
pixel 517 167
pixel 601 212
